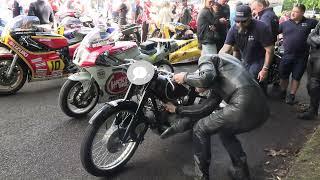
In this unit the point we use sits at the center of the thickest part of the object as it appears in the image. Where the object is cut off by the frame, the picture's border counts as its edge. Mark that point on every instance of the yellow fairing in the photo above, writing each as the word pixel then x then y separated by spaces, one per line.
pixel 188 51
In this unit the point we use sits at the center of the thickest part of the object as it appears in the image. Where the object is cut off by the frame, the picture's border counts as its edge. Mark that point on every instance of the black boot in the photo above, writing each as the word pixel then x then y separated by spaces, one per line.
pixel 240 170
pixel 201 170
pixel 312 112
pixel 179 126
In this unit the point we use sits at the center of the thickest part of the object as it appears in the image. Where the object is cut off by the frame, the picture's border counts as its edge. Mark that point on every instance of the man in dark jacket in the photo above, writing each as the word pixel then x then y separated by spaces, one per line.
pixel 247 109
pixel 16 8
pixel 186 14
pixel 224 14
pixel 43 10
pixel 313 70
pixel 123 11
pixel 207 25
pixel 265 14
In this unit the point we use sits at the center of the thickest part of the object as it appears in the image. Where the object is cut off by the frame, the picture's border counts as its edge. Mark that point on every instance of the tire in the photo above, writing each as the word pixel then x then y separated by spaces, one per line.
pixel 66 104
pixel 163 64
pixel 19 73
pixel 102 120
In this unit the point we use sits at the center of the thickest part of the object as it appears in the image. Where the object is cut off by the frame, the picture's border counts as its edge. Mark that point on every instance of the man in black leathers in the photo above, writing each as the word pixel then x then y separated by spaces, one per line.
pixel 313 70
pixel 246 110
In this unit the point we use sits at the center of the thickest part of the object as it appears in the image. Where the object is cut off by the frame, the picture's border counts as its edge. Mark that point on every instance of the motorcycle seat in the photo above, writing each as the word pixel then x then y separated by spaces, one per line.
pixel 148 45
pixel 148 52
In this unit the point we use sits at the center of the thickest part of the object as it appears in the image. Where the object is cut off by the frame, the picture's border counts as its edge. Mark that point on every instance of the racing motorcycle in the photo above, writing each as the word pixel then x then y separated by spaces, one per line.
pixel 116 130
pixel 181 43
pixel 29 53
pixel 101 76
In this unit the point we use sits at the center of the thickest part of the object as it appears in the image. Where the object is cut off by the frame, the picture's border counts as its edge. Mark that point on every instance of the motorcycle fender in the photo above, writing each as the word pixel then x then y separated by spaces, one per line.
pixel 108 105
pixel 80 76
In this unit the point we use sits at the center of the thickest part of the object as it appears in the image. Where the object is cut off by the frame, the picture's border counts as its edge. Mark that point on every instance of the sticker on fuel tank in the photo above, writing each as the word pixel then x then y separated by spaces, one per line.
pixel 117 83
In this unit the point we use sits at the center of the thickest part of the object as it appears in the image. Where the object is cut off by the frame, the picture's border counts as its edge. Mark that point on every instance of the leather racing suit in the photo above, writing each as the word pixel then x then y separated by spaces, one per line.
pixel 246 109
pixel 313 70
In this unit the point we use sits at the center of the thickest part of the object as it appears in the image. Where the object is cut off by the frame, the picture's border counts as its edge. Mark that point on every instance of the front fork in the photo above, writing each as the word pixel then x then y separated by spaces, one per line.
pixel 14 61
pixel 86 85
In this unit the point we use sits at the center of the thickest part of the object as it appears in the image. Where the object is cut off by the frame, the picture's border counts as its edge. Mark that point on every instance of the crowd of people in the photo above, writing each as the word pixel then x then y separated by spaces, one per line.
pixel 240 82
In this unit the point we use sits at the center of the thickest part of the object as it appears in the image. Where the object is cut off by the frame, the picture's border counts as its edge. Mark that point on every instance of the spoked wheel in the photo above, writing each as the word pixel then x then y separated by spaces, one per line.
pixel 103 150
pixel 14 82
pixel 165 65
pixel 74 102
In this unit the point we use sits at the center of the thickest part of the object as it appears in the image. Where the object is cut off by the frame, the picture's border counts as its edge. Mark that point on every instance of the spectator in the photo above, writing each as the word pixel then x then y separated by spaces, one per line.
pixel 54 5
pixel 123 11
pixel 43 10
pixel 224 13
pixel 186 14
pixel 206 25
pixel 284 17
pixel 16 8
pixel 313 70
pixel 165 14
pixel 263 13
pixel 224 9
pixel 296 51
pixel 145 19
pixel 254 41
pixel 138 13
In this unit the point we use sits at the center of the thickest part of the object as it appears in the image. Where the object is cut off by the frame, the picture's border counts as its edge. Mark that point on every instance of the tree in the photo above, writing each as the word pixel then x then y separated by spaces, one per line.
pixel 310 4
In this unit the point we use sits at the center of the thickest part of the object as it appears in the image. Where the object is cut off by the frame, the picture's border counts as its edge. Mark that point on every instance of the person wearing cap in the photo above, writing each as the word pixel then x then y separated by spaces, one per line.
pixel 247 109
pixel 252 40
pixel 295 32
pixel 262 12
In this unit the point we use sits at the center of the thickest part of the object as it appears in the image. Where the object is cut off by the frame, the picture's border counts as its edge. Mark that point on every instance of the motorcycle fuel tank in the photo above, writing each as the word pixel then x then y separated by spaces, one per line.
pixel 125 50
pixel 52 41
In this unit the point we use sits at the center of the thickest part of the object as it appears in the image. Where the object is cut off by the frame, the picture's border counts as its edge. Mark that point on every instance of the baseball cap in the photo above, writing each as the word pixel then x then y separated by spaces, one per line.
pixel 243 12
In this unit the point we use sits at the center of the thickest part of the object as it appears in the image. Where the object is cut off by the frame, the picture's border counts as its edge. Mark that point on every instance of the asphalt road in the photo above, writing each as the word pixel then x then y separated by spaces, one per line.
pixel 39 142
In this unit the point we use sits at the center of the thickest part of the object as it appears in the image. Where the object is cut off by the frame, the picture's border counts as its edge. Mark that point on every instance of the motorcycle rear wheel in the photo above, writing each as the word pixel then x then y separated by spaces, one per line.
pixel 10 85
pixel 108 126
pixel 70 101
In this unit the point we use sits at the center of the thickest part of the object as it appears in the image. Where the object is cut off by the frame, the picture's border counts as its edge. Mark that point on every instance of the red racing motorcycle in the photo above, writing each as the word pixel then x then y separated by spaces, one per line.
pixel 27 52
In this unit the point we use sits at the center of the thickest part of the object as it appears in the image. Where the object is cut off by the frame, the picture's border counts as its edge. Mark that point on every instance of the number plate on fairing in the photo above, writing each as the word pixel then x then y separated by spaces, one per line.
pixel 55 65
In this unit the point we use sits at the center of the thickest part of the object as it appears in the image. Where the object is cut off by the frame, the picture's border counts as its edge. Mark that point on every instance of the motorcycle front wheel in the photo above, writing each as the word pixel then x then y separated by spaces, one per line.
pixel 13 83
pixel 73 100
pixel 102 150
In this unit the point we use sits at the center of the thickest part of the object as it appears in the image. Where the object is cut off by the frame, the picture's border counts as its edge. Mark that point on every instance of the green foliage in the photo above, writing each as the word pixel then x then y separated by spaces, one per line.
pixel 310 4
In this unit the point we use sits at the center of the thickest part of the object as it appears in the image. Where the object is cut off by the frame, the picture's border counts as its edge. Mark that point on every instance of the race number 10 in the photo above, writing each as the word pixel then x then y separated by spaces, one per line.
pixel 55 65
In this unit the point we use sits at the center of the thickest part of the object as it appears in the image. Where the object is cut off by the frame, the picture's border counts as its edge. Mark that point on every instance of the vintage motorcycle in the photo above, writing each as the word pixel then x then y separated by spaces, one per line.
pixel 116 130
pixel 273 75
pixel 29 52
pixel 101 76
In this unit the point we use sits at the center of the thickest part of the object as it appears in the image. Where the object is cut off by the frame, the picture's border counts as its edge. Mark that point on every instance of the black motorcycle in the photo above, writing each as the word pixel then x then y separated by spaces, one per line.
pixel 273 75
pixel 116 130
